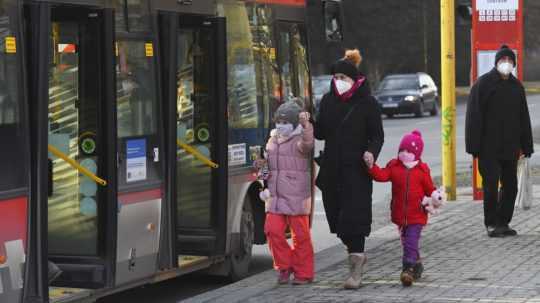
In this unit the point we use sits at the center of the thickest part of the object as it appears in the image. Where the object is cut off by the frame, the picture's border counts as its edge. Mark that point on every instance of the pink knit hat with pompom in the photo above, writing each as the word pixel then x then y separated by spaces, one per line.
pixel 413 143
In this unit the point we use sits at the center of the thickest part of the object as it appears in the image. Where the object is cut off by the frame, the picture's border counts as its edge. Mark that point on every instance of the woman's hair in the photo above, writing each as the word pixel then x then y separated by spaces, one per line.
pixel 353 56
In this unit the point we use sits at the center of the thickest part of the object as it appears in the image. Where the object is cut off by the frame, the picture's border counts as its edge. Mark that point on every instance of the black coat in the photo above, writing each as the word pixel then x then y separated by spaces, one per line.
pixel 343 178
pixel 497 123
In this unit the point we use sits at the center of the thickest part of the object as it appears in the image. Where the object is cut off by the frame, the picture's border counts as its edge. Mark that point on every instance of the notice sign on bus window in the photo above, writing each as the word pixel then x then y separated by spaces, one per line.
pixel 11 45
pixel 497 4
pixel 136 160
pixel 237 154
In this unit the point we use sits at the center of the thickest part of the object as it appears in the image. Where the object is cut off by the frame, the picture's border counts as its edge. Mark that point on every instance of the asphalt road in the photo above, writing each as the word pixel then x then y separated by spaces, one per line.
pixel 191 285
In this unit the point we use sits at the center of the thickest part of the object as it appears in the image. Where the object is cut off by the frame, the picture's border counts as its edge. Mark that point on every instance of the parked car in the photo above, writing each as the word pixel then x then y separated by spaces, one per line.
pixel 408 94
pixel 321 86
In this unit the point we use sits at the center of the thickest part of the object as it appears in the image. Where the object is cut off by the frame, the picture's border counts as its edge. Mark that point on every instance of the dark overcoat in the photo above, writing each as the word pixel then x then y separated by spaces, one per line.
pixel 497 122
pixel 343 177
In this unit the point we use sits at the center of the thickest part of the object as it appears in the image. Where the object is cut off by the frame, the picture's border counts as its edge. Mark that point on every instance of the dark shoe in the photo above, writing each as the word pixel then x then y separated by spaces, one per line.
pixel 407 277
pixel 498 232
pixel 54 272
pixel 418 269
pixel 490 229
pixel 507 231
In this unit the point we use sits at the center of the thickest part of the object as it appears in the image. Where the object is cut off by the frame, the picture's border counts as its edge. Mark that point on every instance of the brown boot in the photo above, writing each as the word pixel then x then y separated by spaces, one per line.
pixel 356 263
pixel 407 276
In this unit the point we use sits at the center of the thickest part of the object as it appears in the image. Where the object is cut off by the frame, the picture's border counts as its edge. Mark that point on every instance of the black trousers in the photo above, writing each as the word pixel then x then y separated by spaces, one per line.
pixel 354 243
pixel 498 206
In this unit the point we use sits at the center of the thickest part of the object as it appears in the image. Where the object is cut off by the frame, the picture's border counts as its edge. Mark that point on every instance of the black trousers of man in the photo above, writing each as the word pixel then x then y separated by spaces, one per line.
pixel 498 206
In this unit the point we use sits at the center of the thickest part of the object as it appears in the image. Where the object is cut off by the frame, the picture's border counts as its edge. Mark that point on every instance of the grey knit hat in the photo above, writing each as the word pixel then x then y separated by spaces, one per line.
pixel 289 112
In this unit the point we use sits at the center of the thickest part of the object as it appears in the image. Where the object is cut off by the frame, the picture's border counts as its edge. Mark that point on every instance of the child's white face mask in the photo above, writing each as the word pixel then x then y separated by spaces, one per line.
pixel 407 159
pixel 284 129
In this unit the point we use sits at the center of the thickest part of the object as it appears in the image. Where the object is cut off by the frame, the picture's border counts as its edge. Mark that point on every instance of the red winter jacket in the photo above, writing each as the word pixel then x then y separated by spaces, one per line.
pixel 409 187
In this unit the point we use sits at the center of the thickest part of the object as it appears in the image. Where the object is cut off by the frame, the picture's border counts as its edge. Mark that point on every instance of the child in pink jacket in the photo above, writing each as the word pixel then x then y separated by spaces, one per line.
pixel 288 196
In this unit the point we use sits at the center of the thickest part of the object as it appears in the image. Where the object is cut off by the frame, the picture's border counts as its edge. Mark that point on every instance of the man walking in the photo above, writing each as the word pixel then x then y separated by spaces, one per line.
pixel 497 132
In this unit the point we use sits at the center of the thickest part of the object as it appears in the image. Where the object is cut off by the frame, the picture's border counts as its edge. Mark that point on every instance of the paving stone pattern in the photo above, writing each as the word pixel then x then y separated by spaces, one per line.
pixel 461 264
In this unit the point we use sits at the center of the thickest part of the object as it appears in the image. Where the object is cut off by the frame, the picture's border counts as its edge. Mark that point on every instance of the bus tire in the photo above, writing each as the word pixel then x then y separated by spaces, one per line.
pixel 240 257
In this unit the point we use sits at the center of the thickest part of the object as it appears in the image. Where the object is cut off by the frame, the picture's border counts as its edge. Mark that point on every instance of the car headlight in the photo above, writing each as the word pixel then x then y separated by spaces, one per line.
pixel 411 98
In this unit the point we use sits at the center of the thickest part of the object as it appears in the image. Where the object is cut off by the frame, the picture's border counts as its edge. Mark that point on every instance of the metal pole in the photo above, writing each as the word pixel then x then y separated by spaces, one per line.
pixel 448 113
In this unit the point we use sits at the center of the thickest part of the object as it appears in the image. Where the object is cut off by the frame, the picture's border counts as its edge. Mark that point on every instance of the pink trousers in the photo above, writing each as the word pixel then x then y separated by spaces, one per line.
pixel 299 257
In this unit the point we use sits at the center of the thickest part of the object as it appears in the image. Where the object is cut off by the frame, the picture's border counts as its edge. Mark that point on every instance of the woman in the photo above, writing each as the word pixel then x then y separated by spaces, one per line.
pixel 349 121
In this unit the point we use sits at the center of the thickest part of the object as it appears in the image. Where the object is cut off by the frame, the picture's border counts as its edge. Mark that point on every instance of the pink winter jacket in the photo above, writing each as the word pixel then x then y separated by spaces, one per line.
pixel 290 179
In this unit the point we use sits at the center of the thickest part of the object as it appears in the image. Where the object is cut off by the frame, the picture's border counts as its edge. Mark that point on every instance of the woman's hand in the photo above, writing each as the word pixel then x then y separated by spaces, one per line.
pixel 369 159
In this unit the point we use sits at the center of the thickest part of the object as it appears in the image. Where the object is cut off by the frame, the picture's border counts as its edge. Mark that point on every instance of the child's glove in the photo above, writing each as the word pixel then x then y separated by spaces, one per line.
pixel 264 195
pixel 261 165
pixel 303 119
pixel 369 159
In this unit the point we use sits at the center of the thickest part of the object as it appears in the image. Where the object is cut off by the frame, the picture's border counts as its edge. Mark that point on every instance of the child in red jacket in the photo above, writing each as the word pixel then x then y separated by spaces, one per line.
pixel 411 183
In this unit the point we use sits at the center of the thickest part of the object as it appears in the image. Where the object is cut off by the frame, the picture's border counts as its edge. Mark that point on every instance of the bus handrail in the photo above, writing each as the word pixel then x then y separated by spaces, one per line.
pixel 76 165
pixel 191 150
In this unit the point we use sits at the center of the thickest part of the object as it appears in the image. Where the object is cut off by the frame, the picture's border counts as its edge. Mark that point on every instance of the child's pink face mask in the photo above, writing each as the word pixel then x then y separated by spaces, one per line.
pixel 406 157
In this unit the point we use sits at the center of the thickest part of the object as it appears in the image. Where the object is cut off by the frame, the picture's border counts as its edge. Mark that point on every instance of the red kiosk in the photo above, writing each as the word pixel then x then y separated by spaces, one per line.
pixel 494 22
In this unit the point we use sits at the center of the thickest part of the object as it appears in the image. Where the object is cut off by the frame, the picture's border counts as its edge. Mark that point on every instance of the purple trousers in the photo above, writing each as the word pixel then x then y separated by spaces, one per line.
pixel 410 240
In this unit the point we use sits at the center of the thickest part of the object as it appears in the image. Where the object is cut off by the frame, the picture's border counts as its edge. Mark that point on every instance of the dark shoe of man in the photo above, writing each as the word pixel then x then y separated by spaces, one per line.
pixel 54 272
pixel 507 231
pixel 489 230
pixel 497 232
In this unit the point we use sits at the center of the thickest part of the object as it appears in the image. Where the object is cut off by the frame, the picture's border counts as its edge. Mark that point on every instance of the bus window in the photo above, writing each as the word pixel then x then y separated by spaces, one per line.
pixel 138 15
pixel 287 84
pixel 332 21
pixel 136 96
pixel 132 15
pixel 301 64
pixel 194 127
pixel 264 52
pixel 12 159
pixel 243 109
pixel 73 203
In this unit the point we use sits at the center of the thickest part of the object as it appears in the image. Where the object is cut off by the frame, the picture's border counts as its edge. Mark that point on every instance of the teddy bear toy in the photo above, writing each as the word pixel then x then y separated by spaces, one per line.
pixel 433 203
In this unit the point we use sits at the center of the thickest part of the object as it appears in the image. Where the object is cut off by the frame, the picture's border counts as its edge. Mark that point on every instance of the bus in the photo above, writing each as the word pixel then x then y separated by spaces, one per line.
pixel 128 130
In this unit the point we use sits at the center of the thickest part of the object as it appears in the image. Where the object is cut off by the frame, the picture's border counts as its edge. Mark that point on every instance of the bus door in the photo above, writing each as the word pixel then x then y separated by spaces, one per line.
pixel 196 99
pixel 72 64
pixel 139 140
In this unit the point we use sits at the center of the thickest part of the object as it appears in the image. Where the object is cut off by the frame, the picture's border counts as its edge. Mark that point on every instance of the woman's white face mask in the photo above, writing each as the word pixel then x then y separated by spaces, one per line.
pixel 342 86
pixel 505 67
pixel 284 129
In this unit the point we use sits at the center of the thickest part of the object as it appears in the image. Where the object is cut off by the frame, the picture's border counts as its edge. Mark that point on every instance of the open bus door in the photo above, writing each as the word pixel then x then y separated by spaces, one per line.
pixel 95 130
pixel 71 75
pixel 195 100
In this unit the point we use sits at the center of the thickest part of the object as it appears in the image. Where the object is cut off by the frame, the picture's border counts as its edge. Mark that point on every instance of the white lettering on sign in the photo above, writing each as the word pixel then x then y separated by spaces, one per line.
pixel 497 4
pixel 502 15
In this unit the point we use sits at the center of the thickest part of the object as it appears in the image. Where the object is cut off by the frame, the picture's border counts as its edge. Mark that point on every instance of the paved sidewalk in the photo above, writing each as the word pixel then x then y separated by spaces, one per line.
pixel 461 265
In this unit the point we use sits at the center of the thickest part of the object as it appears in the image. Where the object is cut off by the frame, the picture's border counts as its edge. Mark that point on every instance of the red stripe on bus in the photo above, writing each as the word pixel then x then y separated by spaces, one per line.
pixel 13 217
pixel 138 197
pixel 283 2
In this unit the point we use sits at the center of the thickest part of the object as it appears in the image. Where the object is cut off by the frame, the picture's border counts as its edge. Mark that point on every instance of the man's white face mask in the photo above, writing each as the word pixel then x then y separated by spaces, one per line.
pixel 342 86
pixel 505 67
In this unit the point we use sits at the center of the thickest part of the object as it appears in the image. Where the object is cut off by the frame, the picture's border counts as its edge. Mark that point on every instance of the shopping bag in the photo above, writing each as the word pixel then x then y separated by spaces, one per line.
pixel 525 195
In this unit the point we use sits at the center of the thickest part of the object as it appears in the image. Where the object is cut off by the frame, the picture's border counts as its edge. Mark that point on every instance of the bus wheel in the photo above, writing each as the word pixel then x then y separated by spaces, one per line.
pixel 241 255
